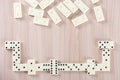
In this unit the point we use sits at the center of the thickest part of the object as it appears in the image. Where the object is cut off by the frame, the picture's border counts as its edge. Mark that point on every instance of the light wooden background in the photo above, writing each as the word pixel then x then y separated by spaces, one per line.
pixel 63 42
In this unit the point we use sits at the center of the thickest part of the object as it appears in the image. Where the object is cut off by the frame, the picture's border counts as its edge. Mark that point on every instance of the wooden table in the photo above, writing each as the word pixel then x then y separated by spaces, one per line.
pixel 63 42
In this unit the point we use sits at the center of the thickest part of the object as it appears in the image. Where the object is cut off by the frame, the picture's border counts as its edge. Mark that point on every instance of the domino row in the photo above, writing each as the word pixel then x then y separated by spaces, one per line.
pixel 54 66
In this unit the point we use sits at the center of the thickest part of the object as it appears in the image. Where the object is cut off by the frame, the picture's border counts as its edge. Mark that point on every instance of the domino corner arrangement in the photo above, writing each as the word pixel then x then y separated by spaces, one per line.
pixel 54 66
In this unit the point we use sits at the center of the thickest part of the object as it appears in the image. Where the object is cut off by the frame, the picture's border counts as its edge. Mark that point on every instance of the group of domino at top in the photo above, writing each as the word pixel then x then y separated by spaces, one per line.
pixel 54 66
pixel 67 7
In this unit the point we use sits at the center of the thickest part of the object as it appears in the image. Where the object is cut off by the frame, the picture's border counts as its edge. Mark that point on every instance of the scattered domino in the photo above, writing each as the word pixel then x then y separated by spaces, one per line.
pixel 41 21
pixel 17 10
pixel 81 5
pixel 79 20
pixel 54 16
pixel 32 3
pixel 70 5
pixel 35 12
pixel 45 3
pixel 94 1
pixel 66 12
pixel 99 13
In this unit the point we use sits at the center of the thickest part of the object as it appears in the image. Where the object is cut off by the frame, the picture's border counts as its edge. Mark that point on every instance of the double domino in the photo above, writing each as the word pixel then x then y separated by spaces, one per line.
pixel 17 10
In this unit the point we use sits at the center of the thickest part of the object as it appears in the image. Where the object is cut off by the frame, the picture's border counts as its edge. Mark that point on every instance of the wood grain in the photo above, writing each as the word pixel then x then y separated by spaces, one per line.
pixel 63 42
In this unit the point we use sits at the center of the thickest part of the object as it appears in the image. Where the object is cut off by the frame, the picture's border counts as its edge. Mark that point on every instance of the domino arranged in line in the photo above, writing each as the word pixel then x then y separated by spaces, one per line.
pixel 65 11
pixel 32 3
pixel 70 5
pixel 54 16
pixel 94 1
pixel 45 3
pixel 99 14
pixel 81 5
pixel 79 20
pixel 35 12
pixel 17 6
pixel 91 66
pixel 41 21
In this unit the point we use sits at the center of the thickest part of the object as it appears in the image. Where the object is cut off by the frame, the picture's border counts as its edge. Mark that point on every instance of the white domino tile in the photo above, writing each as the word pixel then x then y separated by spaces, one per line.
pixel 54 67
pixel 81 5
pixel 105 44
pixel 35 12
pixel 94 1
pixel 31 67
pixel 45 3
pixel 99 14
pixel 17 6
pixel 54 16
pixel 32 3
pixel 91 66
pixel 79 20
pixel 41 21
pixel 64 10
pixel 70 5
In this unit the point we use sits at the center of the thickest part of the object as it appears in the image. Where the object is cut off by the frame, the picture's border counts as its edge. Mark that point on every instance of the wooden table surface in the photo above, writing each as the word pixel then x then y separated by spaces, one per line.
pixel 63 41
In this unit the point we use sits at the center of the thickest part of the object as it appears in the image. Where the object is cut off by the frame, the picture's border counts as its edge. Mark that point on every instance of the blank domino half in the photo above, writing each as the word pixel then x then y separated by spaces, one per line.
pixel 35 12
pixel 65 11
pixel 45 3
pixel 79 20
pixel 32 3
pixel 91 66
pixel 54 16
pixel 17 6
pixel 99 13
pixel 81 5
pixel 70 5
pixel 41 21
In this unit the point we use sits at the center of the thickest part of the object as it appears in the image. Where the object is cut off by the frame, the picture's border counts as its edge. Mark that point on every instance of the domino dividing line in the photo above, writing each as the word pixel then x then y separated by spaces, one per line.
pixel 54 66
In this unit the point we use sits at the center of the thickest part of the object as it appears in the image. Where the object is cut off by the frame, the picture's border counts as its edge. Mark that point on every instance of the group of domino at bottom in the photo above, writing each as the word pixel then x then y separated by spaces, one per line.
pixel 54 66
